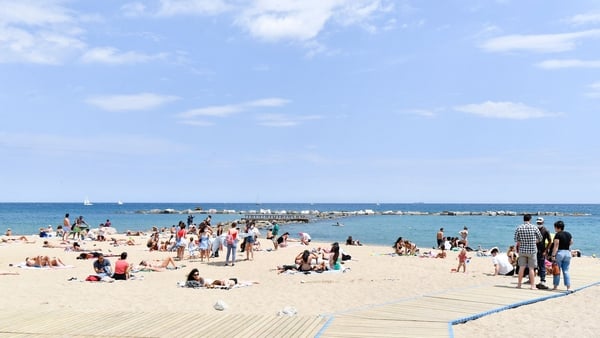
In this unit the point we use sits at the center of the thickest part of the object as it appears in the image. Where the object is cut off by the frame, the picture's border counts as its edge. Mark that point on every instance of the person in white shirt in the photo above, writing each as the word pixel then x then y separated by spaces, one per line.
pixel 502 265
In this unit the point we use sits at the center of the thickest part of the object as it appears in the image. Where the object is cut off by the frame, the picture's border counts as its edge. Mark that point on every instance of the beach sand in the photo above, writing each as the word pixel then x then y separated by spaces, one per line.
pixel 373 276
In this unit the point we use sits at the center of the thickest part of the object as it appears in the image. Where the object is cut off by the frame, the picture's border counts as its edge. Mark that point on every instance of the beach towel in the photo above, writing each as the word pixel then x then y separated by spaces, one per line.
pixel 23 265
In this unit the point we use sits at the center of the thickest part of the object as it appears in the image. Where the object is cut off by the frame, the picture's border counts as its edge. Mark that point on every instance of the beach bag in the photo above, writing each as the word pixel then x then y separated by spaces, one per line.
pixel 555 269
pixel 229 239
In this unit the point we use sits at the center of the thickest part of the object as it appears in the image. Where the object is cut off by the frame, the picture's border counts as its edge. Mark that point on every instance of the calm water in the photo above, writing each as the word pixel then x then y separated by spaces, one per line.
pixel 487 231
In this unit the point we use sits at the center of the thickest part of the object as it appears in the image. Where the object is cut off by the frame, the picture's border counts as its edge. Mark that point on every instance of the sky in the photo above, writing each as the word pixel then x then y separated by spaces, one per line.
pixel 317 101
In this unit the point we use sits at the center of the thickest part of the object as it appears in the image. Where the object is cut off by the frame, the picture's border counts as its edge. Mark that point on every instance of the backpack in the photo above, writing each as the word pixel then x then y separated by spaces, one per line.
pixel 229 239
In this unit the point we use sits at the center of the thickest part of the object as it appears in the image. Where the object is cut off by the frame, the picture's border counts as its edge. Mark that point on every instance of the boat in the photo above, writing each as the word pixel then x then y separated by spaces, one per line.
pixel 120 202
pixel 86 201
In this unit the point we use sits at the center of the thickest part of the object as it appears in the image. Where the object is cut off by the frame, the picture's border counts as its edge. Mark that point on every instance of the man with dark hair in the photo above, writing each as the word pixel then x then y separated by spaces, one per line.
pixel 501 264
pixel 527 236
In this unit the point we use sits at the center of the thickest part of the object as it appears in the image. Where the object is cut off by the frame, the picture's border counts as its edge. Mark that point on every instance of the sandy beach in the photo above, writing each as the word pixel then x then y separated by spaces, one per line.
pixel 373 276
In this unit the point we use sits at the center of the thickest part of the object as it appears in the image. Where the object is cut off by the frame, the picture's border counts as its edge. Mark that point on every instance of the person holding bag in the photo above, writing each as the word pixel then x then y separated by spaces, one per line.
pixel 561 255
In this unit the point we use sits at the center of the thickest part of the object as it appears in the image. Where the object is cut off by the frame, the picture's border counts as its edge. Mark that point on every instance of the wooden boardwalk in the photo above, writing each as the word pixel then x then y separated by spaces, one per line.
pixel 434 315
pixel 431 315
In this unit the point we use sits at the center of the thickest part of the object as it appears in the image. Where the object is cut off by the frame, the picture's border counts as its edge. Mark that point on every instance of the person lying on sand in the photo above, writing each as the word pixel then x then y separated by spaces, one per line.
pixel 195 281
pixel 22 239
pixel 42 261
pixel 157 265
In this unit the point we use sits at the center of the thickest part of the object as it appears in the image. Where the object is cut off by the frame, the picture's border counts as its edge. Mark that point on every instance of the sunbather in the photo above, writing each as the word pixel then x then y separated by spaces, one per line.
pixel 157 265
pixel 195 281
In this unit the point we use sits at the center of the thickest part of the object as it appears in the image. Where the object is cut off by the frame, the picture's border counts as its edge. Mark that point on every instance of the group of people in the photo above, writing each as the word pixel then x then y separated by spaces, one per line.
pixel 405 247
pixel 318 260
pixel 123 269
pixel 535 250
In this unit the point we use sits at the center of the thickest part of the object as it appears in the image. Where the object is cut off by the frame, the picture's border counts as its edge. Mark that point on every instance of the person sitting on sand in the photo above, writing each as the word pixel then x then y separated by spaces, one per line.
pixel 335 259
pixel 502 265
pixel 157 265
pixel 304 263
pixel 350 241
pixel 102 267
pixel 304 238
pixel 122 268
pixel 282 241
pixel 398 246
pixel 8 232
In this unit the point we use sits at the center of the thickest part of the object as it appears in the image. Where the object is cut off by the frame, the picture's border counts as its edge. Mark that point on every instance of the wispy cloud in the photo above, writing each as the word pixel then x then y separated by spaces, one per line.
pixel 584 19
pixel 594 90
pixel 198 116
pixel 226 110
pixel 504 110
pixel 282 120
pixel 143 101
pixel 569 63
pixel 41 32
pixel 192 7
pixel 111 55
pixel 542 43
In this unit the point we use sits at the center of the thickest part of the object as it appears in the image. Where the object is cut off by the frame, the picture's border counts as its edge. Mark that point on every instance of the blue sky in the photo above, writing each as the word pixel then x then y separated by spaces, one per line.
pixel 300 101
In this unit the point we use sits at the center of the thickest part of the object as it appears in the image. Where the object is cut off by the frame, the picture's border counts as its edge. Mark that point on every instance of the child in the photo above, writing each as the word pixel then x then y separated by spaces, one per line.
pixel 462 260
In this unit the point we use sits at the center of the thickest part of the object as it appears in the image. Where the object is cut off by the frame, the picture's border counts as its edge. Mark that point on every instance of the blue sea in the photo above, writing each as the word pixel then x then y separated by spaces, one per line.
pixel 582 220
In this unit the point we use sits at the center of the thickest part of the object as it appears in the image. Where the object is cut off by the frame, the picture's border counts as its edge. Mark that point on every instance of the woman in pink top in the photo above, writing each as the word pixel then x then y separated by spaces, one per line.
pixel 122 268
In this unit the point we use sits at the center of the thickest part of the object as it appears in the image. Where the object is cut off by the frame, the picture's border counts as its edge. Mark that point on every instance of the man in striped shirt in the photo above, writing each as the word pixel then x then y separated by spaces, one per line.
pixel 526 236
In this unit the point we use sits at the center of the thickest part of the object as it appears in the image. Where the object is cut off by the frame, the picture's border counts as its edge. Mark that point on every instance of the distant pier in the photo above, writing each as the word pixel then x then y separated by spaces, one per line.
pixel 277 217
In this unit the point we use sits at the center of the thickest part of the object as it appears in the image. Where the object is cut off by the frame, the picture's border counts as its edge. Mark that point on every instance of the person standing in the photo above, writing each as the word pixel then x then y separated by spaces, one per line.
pixel 440 238
pixel 66 227
pixel 542 252
pixel 464 233
pixel 180 240
pixel 231 242
pixel 526 236
pixel 561 254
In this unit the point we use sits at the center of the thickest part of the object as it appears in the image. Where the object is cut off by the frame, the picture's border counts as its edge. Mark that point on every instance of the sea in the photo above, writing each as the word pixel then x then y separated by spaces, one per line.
pixel 489 225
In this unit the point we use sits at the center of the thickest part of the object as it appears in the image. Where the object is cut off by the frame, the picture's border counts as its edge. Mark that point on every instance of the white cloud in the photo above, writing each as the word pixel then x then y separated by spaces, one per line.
pixel 38 32
pixel 542 43
pixel 111 55
pixel 192 7
pixel 583 19
pixel 569 63
pixel 143 101
pixel 226 110
pixel 281 120
pixel 133 9
pixel 275 20
pixel 189 117
pixel 594 90
pixel 504 110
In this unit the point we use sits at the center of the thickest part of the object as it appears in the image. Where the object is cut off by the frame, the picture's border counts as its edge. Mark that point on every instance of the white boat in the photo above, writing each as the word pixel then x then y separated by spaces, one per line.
pixel 120 202
pixel 87 202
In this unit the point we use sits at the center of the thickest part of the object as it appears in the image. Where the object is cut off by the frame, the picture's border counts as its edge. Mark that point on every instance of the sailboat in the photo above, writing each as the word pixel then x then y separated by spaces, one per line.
pixel 86 201
pixel 120 202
